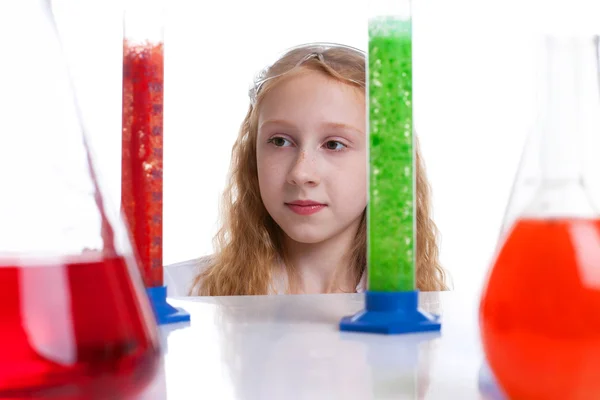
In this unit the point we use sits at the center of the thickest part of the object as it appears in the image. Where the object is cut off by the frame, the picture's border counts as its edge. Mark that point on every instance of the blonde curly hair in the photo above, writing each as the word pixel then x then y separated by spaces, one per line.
pixel 249 243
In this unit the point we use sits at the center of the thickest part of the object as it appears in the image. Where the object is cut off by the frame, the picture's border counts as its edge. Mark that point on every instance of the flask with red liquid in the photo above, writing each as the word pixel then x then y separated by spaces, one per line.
pixel 75 321
pixel 142 146
pixel 540 309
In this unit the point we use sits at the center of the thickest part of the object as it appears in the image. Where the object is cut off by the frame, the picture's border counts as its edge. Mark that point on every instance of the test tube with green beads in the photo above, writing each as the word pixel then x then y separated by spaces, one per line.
pixel 391 210
pixel 391 299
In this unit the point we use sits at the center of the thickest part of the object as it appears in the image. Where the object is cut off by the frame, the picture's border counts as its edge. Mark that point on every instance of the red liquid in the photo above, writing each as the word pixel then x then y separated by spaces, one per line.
pixel 540 313
pixel 142 155
pixel 74 331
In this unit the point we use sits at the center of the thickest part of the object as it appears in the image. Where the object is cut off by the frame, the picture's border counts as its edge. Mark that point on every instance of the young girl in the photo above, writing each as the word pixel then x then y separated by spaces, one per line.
pixel 294 212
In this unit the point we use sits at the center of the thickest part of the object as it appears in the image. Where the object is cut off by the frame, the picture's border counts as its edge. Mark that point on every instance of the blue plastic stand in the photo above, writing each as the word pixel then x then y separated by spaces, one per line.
pixel 391 313
pixel 164 312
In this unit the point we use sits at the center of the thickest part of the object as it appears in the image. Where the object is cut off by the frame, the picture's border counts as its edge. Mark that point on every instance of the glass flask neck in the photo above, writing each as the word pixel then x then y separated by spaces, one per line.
pixel 53 204
pixel 570 111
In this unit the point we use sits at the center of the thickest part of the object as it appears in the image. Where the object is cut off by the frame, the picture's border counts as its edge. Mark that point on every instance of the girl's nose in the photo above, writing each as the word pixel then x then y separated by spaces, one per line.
pixel 304 171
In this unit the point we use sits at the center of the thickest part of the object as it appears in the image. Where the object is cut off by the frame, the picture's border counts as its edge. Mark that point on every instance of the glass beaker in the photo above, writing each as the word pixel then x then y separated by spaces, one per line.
pixel 74 317
pixel 539 313
pixel 142 136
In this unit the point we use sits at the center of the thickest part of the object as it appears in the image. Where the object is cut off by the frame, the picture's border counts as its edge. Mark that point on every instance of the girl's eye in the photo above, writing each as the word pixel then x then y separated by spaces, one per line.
pixel 279 141
pixel 335 145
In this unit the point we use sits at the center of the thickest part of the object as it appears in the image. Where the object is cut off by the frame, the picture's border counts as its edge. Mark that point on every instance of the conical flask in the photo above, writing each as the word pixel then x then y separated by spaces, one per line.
pixel 74 317
pixel 540 308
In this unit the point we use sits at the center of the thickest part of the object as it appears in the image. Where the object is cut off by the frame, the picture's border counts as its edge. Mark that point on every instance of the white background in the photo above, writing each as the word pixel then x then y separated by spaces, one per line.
pixel 474 100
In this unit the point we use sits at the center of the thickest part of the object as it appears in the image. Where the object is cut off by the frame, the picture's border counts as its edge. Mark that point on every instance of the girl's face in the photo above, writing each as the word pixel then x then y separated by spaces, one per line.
pixel 311 155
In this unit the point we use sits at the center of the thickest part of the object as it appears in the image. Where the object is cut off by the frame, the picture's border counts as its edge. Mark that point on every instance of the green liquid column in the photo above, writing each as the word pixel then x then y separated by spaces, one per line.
pixel 391 210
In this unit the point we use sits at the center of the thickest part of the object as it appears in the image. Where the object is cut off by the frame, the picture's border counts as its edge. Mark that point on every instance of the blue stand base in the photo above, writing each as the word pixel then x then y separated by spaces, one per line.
pixel 164 312
pixel 391 313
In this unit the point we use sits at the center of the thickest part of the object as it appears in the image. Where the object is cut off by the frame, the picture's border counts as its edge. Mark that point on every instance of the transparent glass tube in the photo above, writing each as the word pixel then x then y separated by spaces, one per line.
pixel 142 136
pixel 391 209
pixel 144 21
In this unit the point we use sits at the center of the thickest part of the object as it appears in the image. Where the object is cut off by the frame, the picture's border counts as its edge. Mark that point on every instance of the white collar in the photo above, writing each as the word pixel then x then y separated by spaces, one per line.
pixel 280 282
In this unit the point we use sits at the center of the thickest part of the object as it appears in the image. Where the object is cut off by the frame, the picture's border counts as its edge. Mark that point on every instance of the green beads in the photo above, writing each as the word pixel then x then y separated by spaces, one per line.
pixel 391 223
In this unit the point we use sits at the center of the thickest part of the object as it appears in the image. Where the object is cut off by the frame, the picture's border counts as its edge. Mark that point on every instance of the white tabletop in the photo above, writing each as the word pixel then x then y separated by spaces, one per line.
pixel 290 347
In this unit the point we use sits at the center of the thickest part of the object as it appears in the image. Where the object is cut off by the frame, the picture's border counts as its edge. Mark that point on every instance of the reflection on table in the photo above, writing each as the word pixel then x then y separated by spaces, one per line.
pixel 290 347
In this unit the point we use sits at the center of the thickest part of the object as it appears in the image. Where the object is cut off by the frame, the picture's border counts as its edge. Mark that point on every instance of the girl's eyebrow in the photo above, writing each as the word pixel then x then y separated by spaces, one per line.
pixel 280 122
pixel 325 125
pixel 341 126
